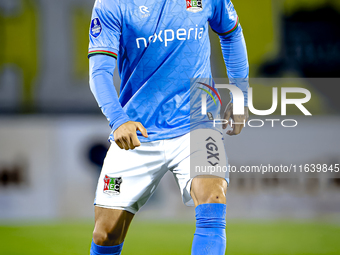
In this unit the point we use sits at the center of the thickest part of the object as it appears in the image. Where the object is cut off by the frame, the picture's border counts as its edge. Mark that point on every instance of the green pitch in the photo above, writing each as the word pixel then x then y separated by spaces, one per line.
pixel 163 238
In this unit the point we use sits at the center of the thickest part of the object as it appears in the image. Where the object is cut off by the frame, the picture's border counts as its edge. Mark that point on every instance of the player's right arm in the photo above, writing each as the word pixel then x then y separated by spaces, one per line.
pixel 105 33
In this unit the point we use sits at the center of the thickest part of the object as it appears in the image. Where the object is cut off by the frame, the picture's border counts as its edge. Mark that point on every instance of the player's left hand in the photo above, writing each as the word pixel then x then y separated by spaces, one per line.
pixel 228 113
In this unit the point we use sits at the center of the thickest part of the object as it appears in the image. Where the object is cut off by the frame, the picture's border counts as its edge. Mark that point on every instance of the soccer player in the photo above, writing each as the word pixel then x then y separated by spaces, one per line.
pixel 163 53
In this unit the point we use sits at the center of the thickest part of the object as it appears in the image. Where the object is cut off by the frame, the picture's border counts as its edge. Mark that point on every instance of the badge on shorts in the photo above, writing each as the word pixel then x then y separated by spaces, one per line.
pixel 112 185
pixel 194 5
pixel 96 28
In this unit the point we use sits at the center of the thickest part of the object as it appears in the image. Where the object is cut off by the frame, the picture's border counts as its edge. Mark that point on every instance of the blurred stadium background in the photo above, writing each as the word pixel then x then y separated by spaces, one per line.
pixel 53 136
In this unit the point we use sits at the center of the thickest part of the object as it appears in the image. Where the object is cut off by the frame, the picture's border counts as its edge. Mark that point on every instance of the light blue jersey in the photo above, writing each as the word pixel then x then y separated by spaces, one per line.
pixel 162 46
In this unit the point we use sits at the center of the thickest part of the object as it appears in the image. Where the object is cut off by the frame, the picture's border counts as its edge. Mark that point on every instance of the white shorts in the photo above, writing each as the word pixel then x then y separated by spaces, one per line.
pixel 129 178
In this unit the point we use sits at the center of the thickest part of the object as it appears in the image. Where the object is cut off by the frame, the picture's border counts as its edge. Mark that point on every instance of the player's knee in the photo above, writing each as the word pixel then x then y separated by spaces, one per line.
pixel 214 196
pixel 100 237
pixel 209 191
pixel 106 238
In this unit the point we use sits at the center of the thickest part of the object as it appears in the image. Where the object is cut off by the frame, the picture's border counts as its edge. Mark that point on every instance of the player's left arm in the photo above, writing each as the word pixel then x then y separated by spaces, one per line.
pixel 235 57
pixel 225 22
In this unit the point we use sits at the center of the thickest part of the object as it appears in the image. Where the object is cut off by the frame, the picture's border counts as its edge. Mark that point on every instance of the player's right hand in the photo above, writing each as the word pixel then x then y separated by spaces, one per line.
pixel 126 136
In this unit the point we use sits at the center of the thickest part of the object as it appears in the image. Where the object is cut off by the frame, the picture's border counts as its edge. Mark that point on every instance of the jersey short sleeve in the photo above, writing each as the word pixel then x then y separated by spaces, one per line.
pixel 224 20
pixel 105 28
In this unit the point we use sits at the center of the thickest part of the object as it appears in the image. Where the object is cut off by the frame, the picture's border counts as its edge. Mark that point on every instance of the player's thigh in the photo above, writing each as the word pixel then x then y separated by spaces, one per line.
pixel 111 226
pixel 129 178
pixel 208 189
pixel 201 154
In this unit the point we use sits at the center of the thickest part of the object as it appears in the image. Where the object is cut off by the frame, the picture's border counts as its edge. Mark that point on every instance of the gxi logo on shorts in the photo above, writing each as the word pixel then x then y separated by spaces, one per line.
pixel 112 185
pixel 212 150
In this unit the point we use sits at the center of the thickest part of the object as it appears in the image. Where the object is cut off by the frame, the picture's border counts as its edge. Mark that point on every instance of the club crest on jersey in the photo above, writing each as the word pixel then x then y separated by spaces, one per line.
pixel 112 185
pixel 96 28
pixel 194 5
